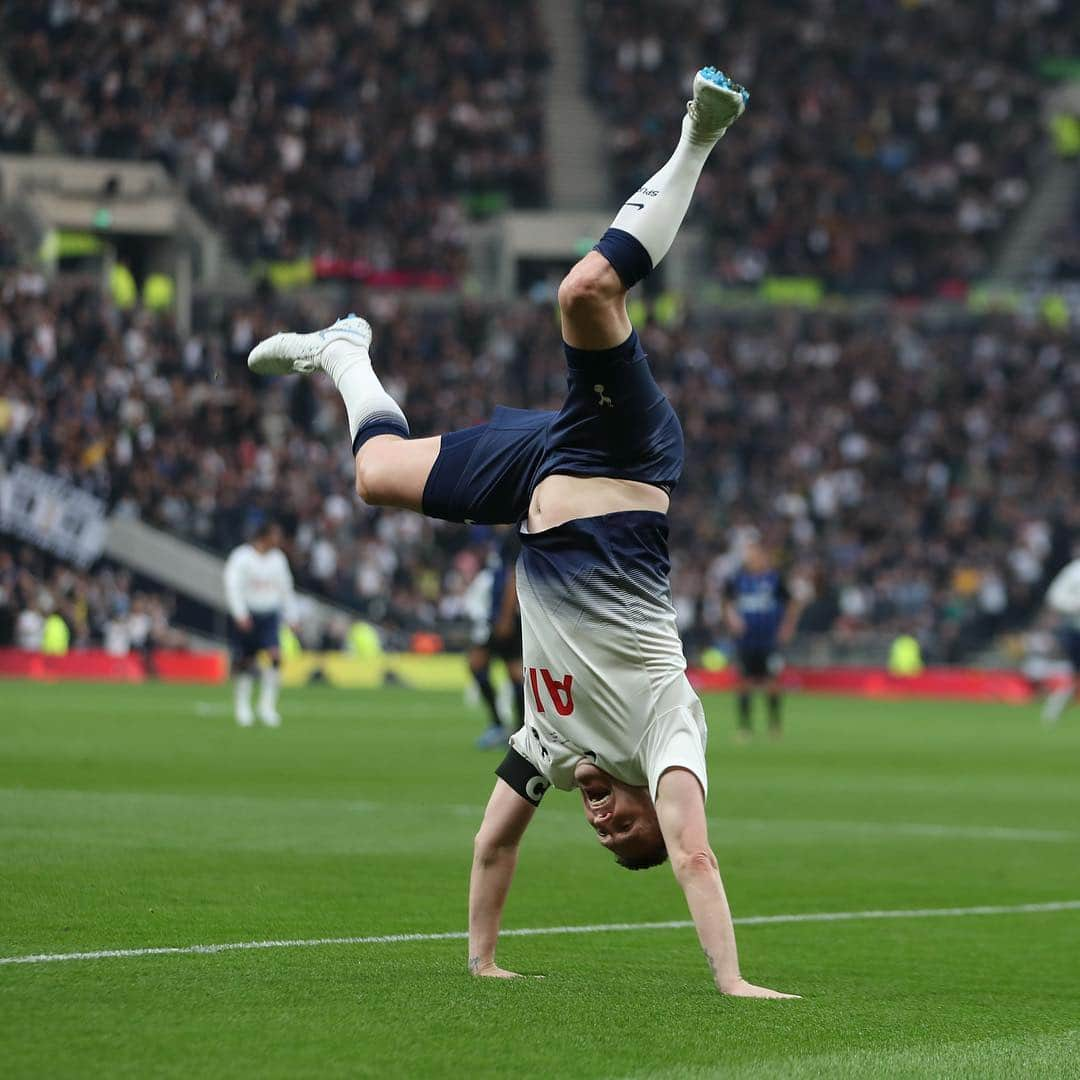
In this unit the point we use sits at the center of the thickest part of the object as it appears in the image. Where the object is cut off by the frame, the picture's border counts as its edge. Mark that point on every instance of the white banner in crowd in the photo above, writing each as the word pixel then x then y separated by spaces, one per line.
pixel 53 514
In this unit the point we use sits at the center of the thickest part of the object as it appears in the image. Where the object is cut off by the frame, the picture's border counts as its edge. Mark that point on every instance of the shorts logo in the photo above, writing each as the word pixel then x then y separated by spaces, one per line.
pixel 535 788
pixel 605 401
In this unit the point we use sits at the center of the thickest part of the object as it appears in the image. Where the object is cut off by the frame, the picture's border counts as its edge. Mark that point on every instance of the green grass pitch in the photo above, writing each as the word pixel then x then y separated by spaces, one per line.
pixel 136 817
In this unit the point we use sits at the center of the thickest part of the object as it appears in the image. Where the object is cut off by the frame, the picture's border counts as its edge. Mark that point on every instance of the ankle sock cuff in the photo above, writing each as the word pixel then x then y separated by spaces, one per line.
pixel 380 424
pixel 627 255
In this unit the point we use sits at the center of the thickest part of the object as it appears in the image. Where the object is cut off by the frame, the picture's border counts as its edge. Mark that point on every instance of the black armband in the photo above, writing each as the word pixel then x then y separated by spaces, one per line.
pixel 523 776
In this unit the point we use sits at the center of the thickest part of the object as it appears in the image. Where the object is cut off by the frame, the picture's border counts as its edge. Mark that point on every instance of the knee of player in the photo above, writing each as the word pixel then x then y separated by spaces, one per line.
pixel 371 479
pixel 591 284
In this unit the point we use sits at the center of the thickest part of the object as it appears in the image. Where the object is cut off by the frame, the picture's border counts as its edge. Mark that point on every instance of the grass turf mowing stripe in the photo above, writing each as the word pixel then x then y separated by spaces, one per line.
pixel 541 931
pixel 476 810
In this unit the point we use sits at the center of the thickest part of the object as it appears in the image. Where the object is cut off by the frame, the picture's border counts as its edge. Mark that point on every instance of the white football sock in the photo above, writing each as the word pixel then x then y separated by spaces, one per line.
pixel 1057 702
pixel 365 398
pixel 242 687
pixel 270 682
pixel 653 214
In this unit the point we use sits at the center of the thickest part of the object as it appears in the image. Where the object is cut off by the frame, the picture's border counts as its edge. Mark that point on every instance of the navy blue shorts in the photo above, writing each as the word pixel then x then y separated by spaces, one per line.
pixel 485 474
pixel 759 663
pixel 262 635
pixel 615 422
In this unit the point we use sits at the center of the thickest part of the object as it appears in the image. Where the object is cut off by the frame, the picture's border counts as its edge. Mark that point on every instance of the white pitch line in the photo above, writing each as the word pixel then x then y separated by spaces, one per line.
pixel 544 931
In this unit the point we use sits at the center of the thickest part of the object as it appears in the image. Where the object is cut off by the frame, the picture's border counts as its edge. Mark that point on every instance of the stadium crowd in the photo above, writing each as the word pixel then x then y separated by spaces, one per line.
pixel 917 475
pixel 1059 257
pixel 891 142
pixel 100 608
pixel 18 123
pixel 357 130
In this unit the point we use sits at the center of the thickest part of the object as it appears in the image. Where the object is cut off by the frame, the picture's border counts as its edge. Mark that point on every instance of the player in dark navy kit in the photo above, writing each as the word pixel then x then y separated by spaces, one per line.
pixel 503 642
pixel 762 616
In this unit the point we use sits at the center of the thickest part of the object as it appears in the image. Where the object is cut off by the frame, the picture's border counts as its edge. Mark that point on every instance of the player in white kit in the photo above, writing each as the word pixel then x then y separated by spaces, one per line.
pixel 259 592
pixel 1063 596
pixel 609 710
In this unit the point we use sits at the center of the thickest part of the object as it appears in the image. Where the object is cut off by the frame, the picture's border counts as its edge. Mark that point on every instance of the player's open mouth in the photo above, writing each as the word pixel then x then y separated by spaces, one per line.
pixel 596 792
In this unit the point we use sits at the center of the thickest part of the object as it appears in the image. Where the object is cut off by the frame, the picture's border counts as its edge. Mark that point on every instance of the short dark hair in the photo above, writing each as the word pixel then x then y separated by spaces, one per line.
pixel 264 528
pixel 655 856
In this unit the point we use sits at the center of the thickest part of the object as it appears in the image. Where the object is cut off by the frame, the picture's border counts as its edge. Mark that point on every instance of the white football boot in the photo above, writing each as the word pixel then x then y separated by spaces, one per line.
pixel 301 354
pixel 717 103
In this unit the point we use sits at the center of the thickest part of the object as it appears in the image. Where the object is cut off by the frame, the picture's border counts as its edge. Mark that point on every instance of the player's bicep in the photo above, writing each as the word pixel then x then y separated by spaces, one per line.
pixel 680 809
pixel 517 794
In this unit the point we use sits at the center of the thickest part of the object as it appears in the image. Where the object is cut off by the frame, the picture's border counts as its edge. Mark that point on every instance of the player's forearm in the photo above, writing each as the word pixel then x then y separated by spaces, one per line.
pixel 699 878
pixel 489 884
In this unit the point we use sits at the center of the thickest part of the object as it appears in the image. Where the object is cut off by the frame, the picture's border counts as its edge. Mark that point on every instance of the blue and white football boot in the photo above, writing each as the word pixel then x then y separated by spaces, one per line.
pixel 301 354
pixel 717 103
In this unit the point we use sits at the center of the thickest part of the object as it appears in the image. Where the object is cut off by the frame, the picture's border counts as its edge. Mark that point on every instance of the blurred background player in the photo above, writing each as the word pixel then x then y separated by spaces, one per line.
pixel 501 641
pixel 761 613
pixel 259 591
pixel 1063 596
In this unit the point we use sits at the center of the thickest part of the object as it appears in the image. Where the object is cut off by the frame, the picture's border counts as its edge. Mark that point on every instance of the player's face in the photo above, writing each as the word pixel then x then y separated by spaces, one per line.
pixel 757 558
pixel 623 817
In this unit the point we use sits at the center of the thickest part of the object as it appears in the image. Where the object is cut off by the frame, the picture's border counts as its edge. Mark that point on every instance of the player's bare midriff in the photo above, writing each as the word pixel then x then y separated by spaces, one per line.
pixel 559 499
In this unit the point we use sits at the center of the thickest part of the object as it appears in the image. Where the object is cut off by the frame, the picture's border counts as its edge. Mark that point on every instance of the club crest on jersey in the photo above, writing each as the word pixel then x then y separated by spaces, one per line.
pixel 605 401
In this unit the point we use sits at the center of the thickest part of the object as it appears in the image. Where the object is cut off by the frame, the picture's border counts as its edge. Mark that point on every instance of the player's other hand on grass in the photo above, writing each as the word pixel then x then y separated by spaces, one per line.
pixel 741 988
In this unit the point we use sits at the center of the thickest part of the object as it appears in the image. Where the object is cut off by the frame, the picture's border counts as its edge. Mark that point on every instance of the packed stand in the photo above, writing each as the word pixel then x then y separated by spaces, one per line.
pixel 358 131
pixel 918 476
pixel 1059 256
pixel 886 147
pixel 18 122
pixel 99 608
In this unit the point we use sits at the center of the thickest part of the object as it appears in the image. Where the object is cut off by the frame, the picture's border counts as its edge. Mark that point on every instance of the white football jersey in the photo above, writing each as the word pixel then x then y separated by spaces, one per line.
pixel 1064 593
pixel 605 675
pixel 257 583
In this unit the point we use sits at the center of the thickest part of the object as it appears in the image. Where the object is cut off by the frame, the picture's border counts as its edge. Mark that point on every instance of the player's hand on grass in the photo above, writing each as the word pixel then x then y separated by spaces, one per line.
pixel 741 988
pixel 488 969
